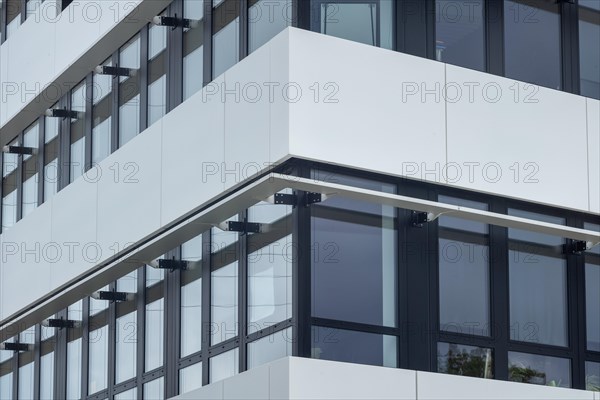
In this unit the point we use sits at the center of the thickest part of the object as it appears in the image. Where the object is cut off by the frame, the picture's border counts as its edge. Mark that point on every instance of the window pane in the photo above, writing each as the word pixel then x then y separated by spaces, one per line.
pixel 226 47
pixel 191 297
pixel 224 365
pixel 102 116
pixel 458 359
pixel 538 285
pixel 190 378
pixel 6 386
pixel 589 50
pixel 539 370
pixel 460 33
pixel 10 172
pixel 532 42
pixel 9 210
pixel 270 348
pixel 46 376
pixel 592 376
pixel 98 360
pixel 354 347
pixel 157 68
pixel 128 395
pixel 354 258
pixel 154 334
pixel 269 267
pixel 592 293
pixel 368 22
pixel 26 365
pixel 266 19
pixel 126 344
pixel 224 303
pixel 155 390
pixel 129 93
pixel 78 100
pixel 74 353
pixel 30 194
pixel 193 57
pixel 464 265
pixel 97 306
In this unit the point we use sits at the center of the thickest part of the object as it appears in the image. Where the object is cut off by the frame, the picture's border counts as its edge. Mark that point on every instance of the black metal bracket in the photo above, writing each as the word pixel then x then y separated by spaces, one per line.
pixel 174 22
pixel 282 198
pixel 19 150
pixel 115 71
pixel 575 247
pixel 113 296
pixel 15 347
pixel 418 219
pixel 60 323
pixel 61 113
pixel 241 226
pixel 173 264
pixel 312 198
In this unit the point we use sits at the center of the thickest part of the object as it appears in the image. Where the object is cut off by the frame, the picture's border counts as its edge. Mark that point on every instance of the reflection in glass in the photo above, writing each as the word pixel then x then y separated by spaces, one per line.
pixel 190 378
pixel 74 353
pixel 270 267
pixel 50 157
pixel 126 345
pixel 592 376
pixel 532 42
pixel 270 348
pixel 592 293
pixel 101 115
pixel 354 260
pixel 78 101
pixel 6 386
pixel 354 347
pixel 129 92
pixel 191 313
pixel 266 19
pixel 155 390
pixel 157 68
pixel 154 334
pixel 98 360
pixel 128 395
pixel 26 379
pixel 10 163
pixel 460 33
pixel 464 265
pixel 46 376
pixel 224 303
pixel 368 22
pixel 193 57
pixel 539 370
pixel 225 365
pixel 538 284
pixel 458 359
pixel 30 194
pixel 589 51
pixel 226 47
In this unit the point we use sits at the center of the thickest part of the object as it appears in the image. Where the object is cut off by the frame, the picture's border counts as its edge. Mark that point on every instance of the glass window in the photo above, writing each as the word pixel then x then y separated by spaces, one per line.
pixel 51 156
pixel 224 366
pixel 354 347
pixel 33 7
pixel 154 334
pixel 97 306
pixel 354 258
pixel 47 374
pixel 368 22
pixel 128 395
pixel 589 51
pixel 269 266
pixel 592 293
pixel 266 19
pixel 538 284
pixel 224 284
pixel 29 200
pixel 193 55
pixel 78 100
pixel 129 92
pixel 155 390
pixel 26 365
pixel 191 297
pixel 126 331
pixel 592 376
pixel 98 360
pixel 539 370
pixel 458 359
pixel 270 348
pixel 13 16
pixel 74 353
pixel 464 268
pixel 532 42
pixel 6 380
pixel 101 115
pixel 157 70
pixel 190 378
pixel 10 172
pixel 226 36
pixel 460 33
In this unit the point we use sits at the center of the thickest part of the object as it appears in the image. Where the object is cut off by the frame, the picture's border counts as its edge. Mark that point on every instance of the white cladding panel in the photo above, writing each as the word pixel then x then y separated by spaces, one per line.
pixel 303 378
pixel 593 147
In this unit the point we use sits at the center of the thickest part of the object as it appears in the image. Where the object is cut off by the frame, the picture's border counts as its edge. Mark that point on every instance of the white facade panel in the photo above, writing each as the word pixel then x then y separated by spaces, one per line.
pixel 280 111
pixel 246 387
pixel 521 140
pixel 593 148
pixel 351 109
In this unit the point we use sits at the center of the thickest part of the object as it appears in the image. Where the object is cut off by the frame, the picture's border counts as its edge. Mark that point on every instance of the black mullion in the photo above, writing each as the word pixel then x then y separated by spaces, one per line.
pixel 20 173
pixel 208 27
pixel 576 315
pixel 23 11
pixel 540 349
pixel 434 289
pixel 114 121
pixel 499 293
pixel 37 355
pixel 41 159
pixel 85 346
pixel 87 158
pixel 60 359
pixel 112 343
pixel 141 323
pixel 223 347
pixel 1 185
pixel 144 78
pixel 15 363
pixel 301 14
pixel 172 346
pixel 243 294
pixel 243 38
pixel 206 261
pixel 469 340
pixel 569 47
pixel 354 326
pixel 2 24
pixel 64 144
pixel 494 27
pixel 269 330
pixel 166 328
pixel 175 56
pixel 413 33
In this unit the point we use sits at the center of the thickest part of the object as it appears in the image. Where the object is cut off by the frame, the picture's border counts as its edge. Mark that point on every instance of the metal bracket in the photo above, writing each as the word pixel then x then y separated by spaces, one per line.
pixel 312 198
pixel 577 247
pixel 113 296
pixel 240 226
pixel 58 113
pixel 282 198
pixel 418 219
pixel 115 71
pixel 174 22
pixel 16 346
pixel 19 150
pixel 173 264
pixel 59 323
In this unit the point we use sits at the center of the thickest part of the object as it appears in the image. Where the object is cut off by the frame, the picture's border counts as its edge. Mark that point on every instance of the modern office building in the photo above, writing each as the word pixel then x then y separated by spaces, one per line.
pixel 300 199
